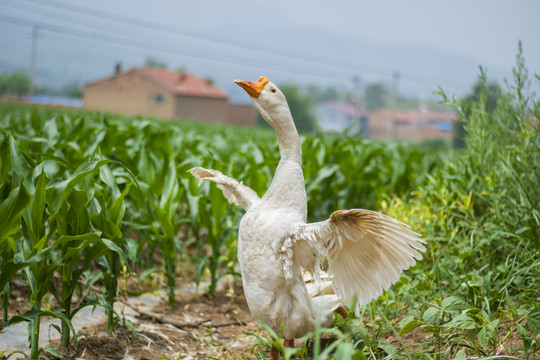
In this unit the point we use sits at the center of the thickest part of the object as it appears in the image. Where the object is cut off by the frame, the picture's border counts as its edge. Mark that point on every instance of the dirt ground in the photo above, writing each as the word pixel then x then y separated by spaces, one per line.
pixel 199 327
pixel 219 327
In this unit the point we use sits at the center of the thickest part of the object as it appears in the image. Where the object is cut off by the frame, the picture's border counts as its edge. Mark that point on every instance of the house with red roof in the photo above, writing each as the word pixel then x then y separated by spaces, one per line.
pixel 411 124
pixel 385 123
pixel 165 94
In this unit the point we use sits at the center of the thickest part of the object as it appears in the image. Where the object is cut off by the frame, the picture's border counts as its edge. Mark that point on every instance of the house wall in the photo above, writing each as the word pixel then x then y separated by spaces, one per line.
pixel 407 132
pixel 129 94
pixel 201 109
pixel 214 110
pixel 243 115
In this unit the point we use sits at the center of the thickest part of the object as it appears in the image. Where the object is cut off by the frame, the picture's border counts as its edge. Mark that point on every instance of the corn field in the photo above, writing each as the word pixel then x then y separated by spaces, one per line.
pixel 93 197
pixel 88 199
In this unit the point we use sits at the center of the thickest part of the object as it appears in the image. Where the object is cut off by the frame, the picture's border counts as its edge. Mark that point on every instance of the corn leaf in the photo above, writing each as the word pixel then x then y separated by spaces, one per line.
pixel 10 210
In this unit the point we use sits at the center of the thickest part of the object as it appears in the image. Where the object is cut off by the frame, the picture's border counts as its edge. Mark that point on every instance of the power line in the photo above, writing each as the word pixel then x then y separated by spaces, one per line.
pixel 200 54
pixel 315 59
pixel 214 57
pixel 33 57
pixel 191 34
pixel 129 42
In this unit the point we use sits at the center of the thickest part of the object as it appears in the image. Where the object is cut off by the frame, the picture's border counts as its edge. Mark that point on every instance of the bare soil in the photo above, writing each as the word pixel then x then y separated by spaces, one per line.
pixel 220 327
pixel 199 327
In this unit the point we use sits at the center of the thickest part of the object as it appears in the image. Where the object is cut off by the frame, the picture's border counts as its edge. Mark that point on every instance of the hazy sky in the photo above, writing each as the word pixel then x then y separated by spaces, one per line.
pixel 486 30
pixel 214 34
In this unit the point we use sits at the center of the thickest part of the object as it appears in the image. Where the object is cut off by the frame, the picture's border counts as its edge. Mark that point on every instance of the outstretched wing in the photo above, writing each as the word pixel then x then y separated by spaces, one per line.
pixel 236 192
pixel 366 250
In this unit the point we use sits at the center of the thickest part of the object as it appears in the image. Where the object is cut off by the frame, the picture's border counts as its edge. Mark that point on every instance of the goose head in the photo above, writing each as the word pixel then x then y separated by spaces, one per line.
pixel 268 100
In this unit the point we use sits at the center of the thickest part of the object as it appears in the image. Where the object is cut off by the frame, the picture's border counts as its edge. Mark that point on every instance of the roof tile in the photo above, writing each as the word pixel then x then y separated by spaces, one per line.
pixel 182 83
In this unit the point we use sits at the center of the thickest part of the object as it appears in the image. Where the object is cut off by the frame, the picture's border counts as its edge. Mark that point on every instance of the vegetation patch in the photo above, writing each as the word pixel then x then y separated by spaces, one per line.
pixel 95 207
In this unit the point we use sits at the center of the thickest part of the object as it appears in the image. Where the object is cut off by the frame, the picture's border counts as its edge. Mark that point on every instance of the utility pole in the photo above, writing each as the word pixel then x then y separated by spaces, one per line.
pixel 392 123
pixel 355 119
pixel 33 57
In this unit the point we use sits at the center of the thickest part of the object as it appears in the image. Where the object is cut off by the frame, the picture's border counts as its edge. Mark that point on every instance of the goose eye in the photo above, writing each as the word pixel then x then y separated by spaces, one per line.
pixel 273 90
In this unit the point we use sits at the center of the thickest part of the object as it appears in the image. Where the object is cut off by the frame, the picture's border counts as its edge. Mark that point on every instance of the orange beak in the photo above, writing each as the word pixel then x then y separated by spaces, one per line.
pixel 253 88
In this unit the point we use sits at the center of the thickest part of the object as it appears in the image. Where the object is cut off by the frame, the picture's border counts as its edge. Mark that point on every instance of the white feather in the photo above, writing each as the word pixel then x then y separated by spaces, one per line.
pixel 366 251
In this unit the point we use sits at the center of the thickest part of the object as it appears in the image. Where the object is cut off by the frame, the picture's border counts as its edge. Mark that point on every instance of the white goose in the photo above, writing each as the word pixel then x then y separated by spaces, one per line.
pixel 366 250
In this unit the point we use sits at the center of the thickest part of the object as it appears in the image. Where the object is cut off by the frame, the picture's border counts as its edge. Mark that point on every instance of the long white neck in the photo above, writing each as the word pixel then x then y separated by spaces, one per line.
pixel 287 135
pixel 288 140
pixel 287 188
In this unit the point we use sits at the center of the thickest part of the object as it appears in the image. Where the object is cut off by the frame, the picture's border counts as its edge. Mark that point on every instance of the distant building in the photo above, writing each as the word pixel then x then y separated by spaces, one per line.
pixel 165 94
pixel 336 116
pixel 385 123
pixel 411 124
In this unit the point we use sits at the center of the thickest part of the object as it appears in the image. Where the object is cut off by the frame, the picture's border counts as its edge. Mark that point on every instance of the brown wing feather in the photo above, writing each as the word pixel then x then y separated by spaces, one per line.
pixel 367 251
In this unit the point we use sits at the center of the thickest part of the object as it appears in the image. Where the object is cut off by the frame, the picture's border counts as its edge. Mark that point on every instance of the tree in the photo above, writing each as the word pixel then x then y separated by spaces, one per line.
pixel 301 106
pixel 323 95
pixel 72 90
pixel 377 95
pixel 15 83
pixel 155 63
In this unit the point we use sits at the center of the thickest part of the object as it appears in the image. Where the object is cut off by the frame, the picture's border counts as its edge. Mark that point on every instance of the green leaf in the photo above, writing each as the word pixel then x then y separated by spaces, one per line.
pixel 462 322
pixel 322 175
pixel 344 351
pixel 107 176
pixel 359 355
pixel 431 316
pixel 53 351
pixel 77 215
pixel 525 335
pixel 10 210
pixel 454 304
pixel 410 326
pixel 32 314
pixel 533 320
pixel 461 356
pixel 118 207
pixel 9 270
pixel 112 246
pixel 61 191
pixel 170 180
pixel 22 172
pixel 388 348
pixel 483 337
pixel 38 206
pixel 486 333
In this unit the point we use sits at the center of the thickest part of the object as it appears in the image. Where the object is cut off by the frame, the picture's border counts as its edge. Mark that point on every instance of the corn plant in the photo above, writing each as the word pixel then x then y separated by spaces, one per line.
pixel 166 212
pixel 56 231
pixel 33 258
pixel 213 217
pixel 106 215
pixel 10 209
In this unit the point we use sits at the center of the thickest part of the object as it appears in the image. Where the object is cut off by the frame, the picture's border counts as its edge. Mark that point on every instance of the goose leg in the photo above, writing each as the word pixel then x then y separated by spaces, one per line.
pixel 274 353
pixel 343 312
pixel 288 343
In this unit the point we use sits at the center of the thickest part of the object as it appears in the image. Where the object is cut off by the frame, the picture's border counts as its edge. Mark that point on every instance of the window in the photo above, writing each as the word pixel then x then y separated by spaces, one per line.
pixel 159 98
